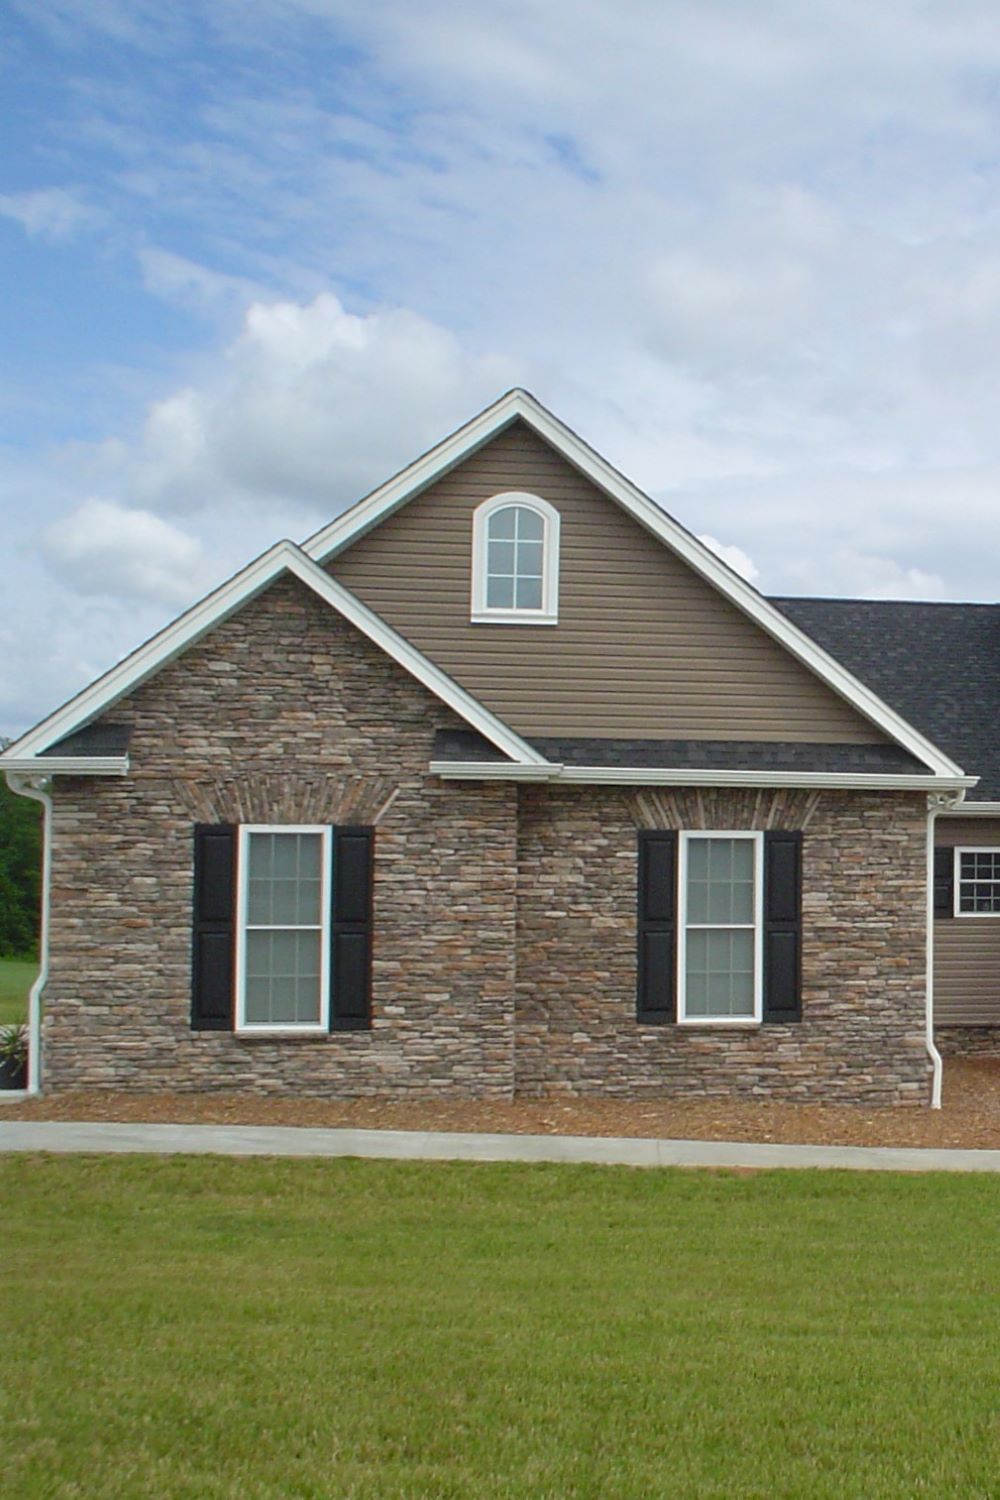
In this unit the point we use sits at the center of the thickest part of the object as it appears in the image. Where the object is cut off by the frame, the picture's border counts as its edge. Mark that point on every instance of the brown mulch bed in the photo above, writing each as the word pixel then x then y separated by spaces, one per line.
pixel 970 1116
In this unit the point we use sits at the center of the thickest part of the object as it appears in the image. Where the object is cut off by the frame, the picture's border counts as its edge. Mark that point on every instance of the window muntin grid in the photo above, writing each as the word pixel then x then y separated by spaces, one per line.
pixel 284 928
pixel 720 920
pixel 515 558
pixel 977 882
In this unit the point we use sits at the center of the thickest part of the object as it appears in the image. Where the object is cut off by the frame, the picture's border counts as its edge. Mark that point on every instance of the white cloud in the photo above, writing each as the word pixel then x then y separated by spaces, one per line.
pixel 48 213
pixel 311 405
pixel 734 557
pixel 752 256
pixel 178 279
pixel 104 549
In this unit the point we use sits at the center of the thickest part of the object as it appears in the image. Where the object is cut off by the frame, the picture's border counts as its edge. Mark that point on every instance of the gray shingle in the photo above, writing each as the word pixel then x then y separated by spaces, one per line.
pixel 93 739
pixel 938 665
pixel 710 755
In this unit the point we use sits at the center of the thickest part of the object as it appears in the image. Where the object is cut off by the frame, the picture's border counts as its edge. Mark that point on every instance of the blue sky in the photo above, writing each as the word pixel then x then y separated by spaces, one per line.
pixel 259 253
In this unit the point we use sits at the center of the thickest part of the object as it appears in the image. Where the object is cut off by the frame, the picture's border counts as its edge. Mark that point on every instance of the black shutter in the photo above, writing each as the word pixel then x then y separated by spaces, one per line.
pixel 657 927
pixel 351 945
pixel 782 927
pixel 214 921
pixel 944 883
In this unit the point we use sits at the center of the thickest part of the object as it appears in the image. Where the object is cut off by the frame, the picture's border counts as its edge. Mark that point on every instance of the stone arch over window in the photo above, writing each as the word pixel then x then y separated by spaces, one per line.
pixel 515 560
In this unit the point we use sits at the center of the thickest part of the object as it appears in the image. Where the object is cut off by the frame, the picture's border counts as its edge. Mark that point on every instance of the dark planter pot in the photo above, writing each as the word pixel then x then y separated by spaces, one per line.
pixel 13 1075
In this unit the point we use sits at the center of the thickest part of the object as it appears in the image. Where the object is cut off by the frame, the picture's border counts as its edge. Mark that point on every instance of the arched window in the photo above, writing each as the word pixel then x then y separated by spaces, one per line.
pixel 515 561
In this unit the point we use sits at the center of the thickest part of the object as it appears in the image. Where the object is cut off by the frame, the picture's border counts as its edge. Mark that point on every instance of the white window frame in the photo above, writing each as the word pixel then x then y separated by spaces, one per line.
pixel 757 839
pixel 482 614
pixel 296 1028
pixel 983 916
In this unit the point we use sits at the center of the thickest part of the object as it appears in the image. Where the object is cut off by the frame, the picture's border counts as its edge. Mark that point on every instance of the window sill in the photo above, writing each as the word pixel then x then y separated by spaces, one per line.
pixel 320 1034
pixel 481 617
pixel 735 1023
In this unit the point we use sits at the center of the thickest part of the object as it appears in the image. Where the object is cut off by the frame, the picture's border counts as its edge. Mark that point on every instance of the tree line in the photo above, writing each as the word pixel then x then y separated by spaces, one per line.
pixel 20 872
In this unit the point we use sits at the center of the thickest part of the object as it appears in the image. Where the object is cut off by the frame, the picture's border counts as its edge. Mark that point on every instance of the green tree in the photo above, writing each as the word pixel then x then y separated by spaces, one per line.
pixel 20 872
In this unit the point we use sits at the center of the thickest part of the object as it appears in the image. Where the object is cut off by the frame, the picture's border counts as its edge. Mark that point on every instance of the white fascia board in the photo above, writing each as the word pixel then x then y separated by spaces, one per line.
pixel 494 770
pixel 520 404
pixel 970 810
pixel 202 617
pixel 664 776
pixel 66 765
pixel 402 487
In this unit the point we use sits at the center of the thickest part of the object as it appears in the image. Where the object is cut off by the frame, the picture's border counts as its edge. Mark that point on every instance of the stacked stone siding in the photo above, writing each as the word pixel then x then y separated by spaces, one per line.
pixel 505 918
pixel 861 1038
pixel 968 1041
pixel 283 713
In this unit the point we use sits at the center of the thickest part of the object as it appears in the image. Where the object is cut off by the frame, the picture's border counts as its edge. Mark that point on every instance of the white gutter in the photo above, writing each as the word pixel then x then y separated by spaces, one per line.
pixel 65 765
pixel 24 788
pixel 971 810
pixel 453 770
pixel 932 1051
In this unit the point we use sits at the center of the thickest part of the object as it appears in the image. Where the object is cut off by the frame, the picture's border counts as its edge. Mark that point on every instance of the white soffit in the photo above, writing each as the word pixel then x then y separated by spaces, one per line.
pixel 284 557
pixel 396 492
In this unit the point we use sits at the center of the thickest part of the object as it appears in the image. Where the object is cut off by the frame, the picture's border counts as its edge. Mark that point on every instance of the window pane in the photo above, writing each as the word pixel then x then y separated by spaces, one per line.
pixel 529 559
pixel 500 593
pixel 515 559
pixel 529 593
pixel 501 557
pixel 979 882
pixel 530 526
pixel 697 858
pixel 503 522
pixel 719 978
pixel 285 884
pixel 697 903
pixel 283 983
pixel 720 881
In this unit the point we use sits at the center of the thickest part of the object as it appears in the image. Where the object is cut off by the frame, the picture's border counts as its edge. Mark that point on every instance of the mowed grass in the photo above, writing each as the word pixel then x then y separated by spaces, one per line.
pixel 200 1328
pixel 16 978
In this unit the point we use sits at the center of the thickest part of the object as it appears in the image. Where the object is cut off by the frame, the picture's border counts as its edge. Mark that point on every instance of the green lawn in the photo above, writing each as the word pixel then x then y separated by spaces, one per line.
pixel 16 978
pixel 205 1328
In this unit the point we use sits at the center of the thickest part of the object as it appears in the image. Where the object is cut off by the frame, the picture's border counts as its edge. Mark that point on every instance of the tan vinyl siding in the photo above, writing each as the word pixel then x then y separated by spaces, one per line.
pixel 644 648
pixel 967 949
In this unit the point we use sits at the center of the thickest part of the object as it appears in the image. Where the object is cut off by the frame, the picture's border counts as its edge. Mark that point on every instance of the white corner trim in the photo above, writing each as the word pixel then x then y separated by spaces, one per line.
pixel 454 770
pixel 202 617
pixel 520 404
pixel 480 611
pixel 937 1066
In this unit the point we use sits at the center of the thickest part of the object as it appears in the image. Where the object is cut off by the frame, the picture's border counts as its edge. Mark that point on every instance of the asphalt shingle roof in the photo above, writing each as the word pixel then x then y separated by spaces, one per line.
pixel 938 665
pixel 719 755
pixel 94 739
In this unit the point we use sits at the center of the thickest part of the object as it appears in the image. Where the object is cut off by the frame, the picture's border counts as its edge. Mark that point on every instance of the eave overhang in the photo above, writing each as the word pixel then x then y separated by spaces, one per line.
pixel 66 765
pixel 686 776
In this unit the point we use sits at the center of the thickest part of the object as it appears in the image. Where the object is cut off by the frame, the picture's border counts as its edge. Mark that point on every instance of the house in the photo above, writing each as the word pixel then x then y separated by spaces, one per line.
pixel 504 784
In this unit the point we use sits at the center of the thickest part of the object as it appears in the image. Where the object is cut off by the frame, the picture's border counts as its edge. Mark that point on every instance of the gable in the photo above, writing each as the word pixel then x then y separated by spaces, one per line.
pixel 644 648
pixel 284 558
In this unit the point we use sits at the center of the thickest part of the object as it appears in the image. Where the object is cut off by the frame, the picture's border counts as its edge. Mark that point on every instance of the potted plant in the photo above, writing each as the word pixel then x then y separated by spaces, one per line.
pixel 13 1057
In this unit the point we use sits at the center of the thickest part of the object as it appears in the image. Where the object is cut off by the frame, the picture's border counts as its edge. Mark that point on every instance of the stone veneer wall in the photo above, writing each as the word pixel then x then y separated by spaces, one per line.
pixel 282 713
pixel 505 918
pixel 968 1041
pixel 861 1039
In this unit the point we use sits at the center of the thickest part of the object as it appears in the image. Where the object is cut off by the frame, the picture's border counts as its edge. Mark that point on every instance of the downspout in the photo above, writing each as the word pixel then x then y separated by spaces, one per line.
pixel 934 804
pixel 33 787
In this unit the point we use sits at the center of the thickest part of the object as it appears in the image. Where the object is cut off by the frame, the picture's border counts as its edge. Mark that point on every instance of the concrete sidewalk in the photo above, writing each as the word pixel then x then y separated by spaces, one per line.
pixel 442 1145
